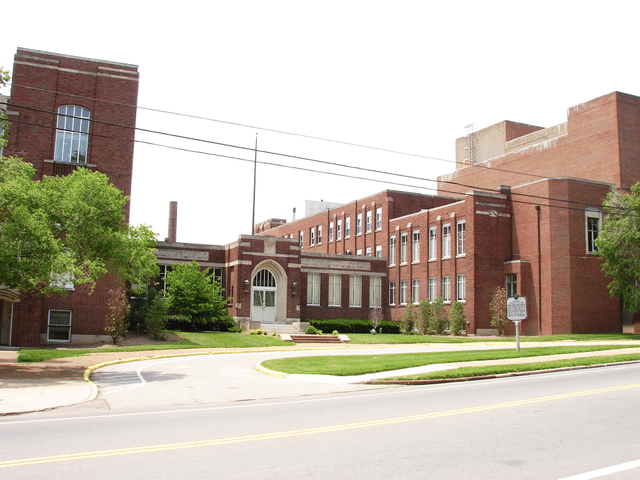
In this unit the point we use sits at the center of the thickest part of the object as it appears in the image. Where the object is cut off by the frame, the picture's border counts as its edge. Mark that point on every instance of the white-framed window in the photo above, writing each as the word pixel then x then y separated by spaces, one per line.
pixel 379 218
pixel 461 288
pixel 433 288
pixel 319 234
pixel 592 222
pixel 339 229
pixel 358 224
pixel 403 248
pixel 347 227
pixel 368 252
pixel 446 288
pixel 433 243
pixel 446 241
pixel 378 250
pixel 312 231
pixel 392 293
pixel 359 252
pixel 72 134
pixel 216 275
pixel 415 290
pixel 368 221
pixel 512 284
pixel 403 292
pixel 355 290
pixel 301 237
pixel 313 289
pixel 162 278
pixel 59 326
pixel 392 250
pixel 64 281
pixel 330 232
pixel 375 292
pixel 415 246
pixel 461 240
pixel 335 290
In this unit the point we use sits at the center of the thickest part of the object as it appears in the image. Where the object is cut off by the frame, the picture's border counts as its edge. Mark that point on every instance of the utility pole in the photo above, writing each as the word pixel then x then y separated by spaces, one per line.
pixel 255 168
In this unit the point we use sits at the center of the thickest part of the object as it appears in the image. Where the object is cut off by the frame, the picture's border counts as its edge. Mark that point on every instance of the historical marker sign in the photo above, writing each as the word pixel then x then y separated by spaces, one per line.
pixel 516 308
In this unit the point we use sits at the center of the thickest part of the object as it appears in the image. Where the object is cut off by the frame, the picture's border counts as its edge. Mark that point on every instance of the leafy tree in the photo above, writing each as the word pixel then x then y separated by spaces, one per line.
pixel 4 79
pixel 376 317
pixel 71 228
pixel 409 318
pixel 193 294
pixel 618 244
pixel 117 324
pixel 498 309
pixel 457 318
pixel 422 322
pixel 438 318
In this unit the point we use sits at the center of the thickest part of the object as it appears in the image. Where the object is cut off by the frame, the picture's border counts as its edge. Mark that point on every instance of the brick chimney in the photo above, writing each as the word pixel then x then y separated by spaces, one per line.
pixel 173 220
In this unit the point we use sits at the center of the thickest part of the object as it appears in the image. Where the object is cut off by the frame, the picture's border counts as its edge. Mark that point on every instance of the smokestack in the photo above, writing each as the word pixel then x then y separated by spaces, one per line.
pixel 173 220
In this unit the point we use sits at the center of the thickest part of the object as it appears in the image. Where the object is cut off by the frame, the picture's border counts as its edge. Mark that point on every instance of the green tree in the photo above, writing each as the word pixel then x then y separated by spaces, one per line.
pixel 117 325
pixel 438 318
pixel 67 228
pixel 409 318
pixel 498 309
pixel 618 244
pixel 194 295
pixel 422 322
pixel 457 318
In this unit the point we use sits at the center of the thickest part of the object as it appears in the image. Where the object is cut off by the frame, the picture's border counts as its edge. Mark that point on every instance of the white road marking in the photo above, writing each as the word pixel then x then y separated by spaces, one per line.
pixel 605 471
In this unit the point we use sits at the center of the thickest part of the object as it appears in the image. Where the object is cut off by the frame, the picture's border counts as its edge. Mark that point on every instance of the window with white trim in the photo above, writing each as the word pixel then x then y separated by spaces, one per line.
pixel 446 288
pixel 368 221
pixel 392 250
pixel 403 248
pixel 592 221
pixel 312 231
pixel 403 292
pixel 359 252
pixel 446 241
pixel 335 290
pixel 433 243
pixel 339 229
pixel 433 288
pixel 301 236
pixel 378 250
pixel 59 326
pixel 461 243
pixel 461 288
pixel 368 252
pixel 375 292
pixel 415 290
pixel 392 293
pixel 379 218
pixel 319 234
pixel 72 134
pixel 512 284
pixel 355 290
pixel 347 227
pixel 313 289
pixel 330 232
pixel 358 224
pixel 415 246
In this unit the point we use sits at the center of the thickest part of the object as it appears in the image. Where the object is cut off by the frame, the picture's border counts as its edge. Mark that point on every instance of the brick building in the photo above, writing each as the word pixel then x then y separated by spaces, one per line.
pixel 67 112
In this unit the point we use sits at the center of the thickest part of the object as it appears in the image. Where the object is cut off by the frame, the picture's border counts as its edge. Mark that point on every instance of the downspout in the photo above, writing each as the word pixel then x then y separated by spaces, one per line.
pixel 539 274
pixel 11 324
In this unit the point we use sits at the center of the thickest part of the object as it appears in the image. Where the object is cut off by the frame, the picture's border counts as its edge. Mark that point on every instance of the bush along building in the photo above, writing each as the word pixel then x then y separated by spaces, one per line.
pixel 66 113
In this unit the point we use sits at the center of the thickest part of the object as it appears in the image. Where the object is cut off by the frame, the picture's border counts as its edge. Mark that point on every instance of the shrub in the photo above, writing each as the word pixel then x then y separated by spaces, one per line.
pixel 117 317
pixel 375 315
pixel 258 331
pixel 156 319
pixel 346 325
pixel 438 318
pixel 311 330
pixel 409 318
pixel 498 309
pixel 422 321
pixel 457 318
pixel 335 332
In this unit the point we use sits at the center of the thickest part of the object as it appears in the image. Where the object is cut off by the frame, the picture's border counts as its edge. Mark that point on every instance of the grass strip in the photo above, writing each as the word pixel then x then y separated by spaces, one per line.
pixel 363 364
pixel 393 339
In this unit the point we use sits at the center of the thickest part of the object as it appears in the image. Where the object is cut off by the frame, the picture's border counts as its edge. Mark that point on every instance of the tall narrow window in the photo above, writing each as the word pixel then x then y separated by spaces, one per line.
pixel 59 326
pixel 592 226
pixel 319 234
pixel 415 246
pixel 368 252
pixel 379 218
pixel 392 250
pixel 347 227
pixel 375 292
pixel 446 241
pixel 403 292
pixel 446 289
pixel 433 288
pixel 358 224
pixel 461 248
pixel 339 230
pixel 461 288
pixel 403 248
pixel 72 134
pixel 313 289
pixel 311 236
pixel 355 290
pixel 368 220
pixel 415 291
pixel 433 245
pixel 301 240
pixel 512 284
pixel 378 250
pixel 335 290
pixel 330 232
pixel 392 293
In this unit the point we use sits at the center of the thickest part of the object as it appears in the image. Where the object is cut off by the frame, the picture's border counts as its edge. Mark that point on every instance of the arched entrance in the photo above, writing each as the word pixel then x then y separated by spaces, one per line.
pixel 263 304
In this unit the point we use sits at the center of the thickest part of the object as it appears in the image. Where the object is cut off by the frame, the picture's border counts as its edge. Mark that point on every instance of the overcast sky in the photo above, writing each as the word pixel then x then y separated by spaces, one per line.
pixel 400 76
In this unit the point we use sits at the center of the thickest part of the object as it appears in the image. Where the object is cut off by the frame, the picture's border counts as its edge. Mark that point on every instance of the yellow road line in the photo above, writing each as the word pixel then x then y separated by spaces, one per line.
pixel 296 433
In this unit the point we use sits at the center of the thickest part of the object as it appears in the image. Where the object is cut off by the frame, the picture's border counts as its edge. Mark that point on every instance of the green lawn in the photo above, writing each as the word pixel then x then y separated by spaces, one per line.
pixel 363 364
pixel 381 339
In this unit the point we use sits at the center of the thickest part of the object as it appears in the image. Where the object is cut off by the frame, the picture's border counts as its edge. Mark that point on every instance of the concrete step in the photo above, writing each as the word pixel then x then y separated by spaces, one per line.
pixel 315 338
pixel 279 328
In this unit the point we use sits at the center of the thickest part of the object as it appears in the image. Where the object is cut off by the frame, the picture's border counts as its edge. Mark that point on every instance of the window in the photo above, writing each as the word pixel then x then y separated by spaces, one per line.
pixel 461 248
pixel 358 224
pixel 392 293
pixel 403 248
pixel 330 232
pixel 512 285
pixel 72 134
pixel 355 290
pixel 335 290
pixel 59 326
pixel 216 275
pixel 415 291
pixel 319 234
pixel 368 251
pixel 301 240
pixel 375 292
pixel 63 281
pixel 339 230
pixel 162 278
pixel 461 288
pixel 368 221
pixel 347 227
pixel 446 241
pixel 359 252
pixel 392 250
pixel 312 231
pixel 592 220
pixel 415 246
pixel 313 289
pixel 433 288
pixel 433 245
pixel 378 250
pixel 379 218
pixel 403 292
pixel 446 289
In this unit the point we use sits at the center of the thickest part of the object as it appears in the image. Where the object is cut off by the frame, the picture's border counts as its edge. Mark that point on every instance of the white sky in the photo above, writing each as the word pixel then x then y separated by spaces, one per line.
pixel 404 76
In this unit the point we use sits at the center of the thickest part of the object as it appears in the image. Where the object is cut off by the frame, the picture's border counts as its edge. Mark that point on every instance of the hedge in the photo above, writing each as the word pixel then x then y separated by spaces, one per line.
pixel 345 325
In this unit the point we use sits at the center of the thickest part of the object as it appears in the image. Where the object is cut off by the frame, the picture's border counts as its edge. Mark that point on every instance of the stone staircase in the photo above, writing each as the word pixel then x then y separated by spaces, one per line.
pixel 280 328
pixel 288 332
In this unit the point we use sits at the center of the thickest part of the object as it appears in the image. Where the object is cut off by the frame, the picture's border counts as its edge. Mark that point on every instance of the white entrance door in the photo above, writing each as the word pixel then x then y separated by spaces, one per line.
pixel 263 305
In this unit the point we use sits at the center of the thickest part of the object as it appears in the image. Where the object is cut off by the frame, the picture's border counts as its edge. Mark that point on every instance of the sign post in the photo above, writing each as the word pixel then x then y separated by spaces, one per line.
pixel 516 312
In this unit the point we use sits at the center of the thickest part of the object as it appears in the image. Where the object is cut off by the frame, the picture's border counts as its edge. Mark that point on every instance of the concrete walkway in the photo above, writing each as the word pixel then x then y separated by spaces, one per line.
pixel 30 387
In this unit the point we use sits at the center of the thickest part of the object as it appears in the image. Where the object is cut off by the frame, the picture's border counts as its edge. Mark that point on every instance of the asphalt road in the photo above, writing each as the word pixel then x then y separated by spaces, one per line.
pixel 551 426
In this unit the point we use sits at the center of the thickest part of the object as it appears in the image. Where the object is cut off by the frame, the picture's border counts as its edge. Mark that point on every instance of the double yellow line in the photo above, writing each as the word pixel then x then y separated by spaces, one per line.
pixel 296 433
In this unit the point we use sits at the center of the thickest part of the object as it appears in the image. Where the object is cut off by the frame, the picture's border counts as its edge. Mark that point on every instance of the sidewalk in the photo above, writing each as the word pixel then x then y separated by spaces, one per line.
pixel 30 387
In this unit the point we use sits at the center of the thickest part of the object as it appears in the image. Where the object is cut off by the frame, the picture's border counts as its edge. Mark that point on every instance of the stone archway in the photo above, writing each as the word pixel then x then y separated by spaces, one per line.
pixel 269 293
